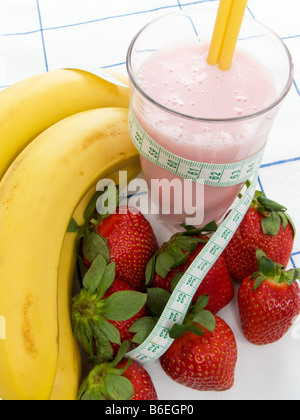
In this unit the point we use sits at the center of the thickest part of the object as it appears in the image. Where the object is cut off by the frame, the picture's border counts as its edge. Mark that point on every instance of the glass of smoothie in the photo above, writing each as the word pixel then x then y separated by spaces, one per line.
pixel 199 112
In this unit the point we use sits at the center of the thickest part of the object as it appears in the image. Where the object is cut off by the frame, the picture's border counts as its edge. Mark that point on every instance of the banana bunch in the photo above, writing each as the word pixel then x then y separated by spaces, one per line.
pixel 28 107
pixel 60 133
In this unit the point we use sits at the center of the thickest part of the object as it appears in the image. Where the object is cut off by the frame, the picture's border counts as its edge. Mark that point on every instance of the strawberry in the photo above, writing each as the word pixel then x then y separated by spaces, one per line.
pixel 269 301
pixel 131 242
pixel 266 226
pixel 174 258
pixel 104 310
pixel 203 355
pixel 121 379
pixel 142 384
pixel 123 236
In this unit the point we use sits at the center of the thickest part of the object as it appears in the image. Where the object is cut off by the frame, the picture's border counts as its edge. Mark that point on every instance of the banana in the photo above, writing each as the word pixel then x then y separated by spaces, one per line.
pixel 32 105
pixel 38 196
pixel 68 373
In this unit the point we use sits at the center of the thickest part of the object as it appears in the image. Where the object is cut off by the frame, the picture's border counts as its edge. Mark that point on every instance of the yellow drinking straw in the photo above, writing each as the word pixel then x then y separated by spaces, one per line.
pixel 226 32
pixel 219 31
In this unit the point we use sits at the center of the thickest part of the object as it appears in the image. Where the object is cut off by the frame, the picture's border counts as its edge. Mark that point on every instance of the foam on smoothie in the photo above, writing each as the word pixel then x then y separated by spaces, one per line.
pixel 179 78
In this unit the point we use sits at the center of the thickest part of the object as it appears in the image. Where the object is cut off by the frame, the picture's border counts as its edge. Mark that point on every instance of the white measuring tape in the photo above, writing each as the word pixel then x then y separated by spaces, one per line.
pixel 158 342
pixel 216 175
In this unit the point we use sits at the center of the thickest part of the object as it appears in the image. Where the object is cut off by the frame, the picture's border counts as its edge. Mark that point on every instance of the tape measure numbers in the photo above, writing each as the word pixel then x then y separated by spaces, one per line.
pixel 217 175
pixel 159 340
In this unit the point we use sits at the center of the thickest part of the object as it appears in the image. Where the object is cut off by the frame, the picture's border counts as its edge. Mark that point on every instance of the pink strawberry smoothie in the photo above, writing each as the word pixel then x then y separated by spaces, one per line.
pixel 179 79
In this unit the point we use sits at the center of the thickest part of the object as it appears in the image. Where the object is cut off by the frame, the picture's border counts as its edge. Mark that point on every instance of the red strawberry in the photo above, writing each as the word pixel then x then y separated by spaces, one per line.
pixel 104 310
pixel 269 301
pixel 203 358
pixel 175 257
pixel 266 226
pixel 127 238
pixel 131 243
pixel 122 379
pixel 142 384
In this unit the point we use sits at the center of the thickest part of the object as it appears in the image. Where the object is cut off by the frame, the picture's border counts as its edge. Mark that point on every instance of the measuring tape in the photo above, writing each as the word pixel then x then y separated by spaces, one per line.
pixel 159 340
pixel 216 175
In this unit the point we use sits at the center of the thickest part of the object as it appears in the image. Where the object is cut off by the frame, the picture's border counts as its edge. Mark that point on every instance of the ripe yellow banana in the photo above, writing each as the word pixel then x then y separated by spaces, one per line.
pixel 29 107
pixel 68 373
pixel 38 196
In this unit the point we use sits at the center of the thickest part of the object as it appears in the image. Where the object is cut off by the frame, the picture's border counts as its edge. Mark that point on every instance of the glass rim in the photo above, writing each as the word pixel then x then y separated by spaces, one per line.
pixel 279 98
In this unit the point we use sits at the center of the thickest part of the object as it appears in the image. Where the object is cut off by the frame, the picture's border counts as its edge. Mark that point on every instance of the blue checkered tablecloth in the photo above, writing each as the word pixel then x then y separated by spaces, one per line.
pixel 43 35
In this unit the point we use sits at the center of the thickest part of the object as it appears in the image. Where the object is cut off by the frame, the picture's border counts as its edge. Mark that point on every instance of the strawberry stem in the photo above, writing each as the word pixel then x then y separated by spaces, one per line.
pixel 105 380
pixel 92 313
pixel 196 318
pixel 269 270
pixel 274 214
pixel 176 251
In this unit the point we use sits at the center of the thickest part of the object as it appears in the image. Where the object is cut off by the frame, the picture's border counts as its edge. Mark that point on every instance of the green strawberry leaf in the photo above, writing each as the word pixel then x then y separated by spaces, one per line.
pixel 201 303
pixel 209 228
pixel 100 198
pixel 90 211
pixel 89 392
pixel 189 243
pixel 123 305
pixel 270 205
pixel 196 315
pixel 206 319
pixel 175 281
pixel 271 224
pixel 178 330
pixel 292 275
pixel 272 271
pixel 93 245
pixel 91 330
pixel 157 299
pixel 142 328
pixel 80 324
pixel 176 251
pixel 259 279
pixel 101 343
pixel 74 226
pixel 104 381
pixel 118 387
pixel 284 219
pixel 274 214
pixel 173 254
pixel 123 349
pixel 89 395
pixel 150 270
pixel 266 265
pixel 106 328
pixel 94 275
pixel 107 280
pixel 164 262
pixel 179 257
pixel 292 224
